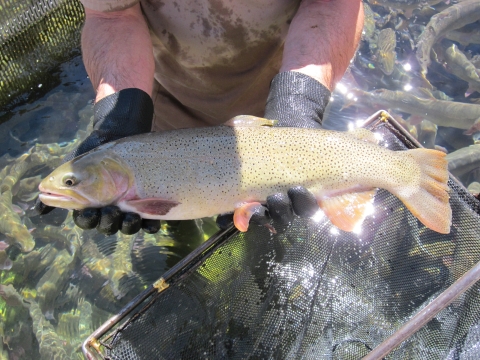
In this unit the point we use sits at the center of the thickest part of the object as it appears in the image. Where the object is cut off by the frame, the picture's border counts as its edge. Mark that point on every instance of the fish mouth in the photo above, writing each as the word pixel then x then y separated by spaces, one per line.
pixel 62 200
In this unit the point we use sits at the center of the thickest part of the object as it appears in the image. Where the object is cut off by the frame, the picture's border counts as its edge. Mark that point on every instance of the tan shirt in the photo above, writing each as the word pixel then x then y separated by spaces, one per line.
pixel 214 58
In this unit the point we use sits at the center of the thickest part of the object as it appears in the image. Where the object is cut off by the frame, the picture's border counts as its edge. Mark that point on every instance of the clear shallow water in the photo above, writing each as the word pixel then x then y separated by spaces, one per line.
pixel 68 281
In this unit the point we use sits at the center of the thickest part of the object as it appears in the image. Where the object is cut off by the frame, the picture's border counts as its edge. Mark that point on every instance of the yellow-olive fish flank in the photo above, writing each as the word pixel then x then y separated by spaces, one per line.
pixel 194 173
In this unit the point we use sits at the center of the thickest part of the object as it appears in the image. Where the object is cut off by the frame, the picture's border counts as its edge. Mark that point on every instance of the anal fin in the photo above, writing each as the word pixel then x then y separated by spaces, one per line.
pixel 348 211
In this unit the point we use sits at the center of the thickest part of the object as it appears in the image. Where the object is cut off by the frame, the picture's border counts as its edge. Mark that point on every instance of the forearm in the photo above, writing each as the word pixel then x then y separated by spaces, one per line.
pixel 117 51
pixel 323 38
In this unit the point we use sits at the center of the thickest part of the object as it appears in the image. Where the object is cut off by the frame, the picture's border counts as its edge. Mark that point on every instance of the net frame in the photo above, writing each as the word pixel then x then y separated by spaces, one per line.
pixel 100 341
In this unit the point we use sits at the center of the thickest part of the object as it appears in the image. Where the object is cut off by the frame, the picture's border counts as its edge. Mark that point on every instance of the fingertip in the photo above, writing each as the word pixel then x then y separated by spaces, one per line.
pixel 40 208
pixel 151 226
pixel 87 218
pixel 110 220
pixel 304 203
pixel 280 209
pixel 131 223
pixel 224 221
pixel 251 213
pixel 259 216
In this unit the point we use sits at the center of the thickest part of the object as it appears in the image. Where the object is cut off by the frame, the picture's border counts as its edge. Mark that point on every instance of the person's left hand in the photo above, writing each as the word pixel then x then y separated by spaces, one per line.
pixel 124 113
pixel 295 100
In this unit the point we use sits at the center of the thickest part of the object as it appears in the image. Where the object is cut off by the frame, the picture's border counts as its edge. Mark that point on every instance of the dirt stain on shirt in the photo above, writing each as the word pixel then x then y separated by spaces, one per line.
pixel 234 32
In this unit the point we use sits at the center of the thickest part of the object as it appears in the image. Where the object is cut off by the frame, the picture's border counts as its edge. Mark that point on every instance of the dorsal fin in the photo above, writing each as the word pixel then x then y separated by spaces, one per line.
pixel 249 121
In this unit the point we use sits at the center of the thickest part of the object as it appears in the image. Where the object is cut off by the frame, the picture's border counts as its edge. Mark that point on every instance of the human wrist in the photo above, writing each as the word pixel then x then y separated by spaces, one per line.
pixel 104 90
pixel 125 112
pixel 296 100
pixel 322 73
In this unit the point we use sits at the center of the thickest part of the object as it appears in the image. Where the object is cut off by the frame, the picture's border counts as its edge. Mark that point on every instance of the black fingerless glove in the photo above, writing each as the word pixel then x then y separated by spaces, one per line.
pixel 127 112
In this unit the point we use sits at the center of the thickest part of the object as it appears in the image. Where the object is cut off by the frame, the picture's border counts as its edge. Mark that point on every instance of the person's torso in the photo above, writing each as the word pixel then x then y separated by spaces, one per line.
pixel 218 57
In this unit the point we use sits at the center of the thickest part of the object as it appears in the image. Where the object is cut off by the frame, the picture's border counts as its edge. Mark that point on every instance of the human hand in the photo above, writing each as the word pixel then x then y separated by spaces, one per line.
pixel 279 208
pixel 124 113
pixel 295 100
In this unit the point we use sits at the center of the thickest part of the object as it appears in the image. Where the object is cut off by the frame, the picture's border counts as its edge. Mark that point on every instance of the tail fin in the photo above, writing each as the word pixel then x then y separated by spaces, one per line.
pixel 429 201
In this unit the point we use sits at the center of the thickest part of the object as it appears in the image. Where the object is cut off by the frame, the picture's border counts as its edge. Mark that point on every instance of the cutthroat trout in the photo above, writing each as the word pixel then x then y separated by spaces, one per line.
pixel 201 172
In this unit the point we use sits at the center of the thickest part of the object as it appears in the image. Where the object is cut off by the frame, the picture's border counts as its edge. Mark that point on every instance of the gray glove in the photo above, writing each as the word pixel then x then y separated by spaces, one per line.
pixel 296 100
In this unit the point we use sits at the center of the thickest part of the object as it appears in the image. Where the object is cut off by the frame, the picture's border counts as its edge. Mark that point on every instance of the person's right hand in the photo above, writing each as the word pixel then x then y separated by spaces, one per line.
pixel 295 100
pixel 124 113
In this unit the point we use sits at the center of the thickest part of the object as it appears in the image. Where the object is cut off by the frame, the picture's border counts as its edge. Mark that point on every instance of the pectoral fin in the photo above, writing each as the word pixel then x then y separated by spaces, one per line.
pixel 152 206
pixel 348 210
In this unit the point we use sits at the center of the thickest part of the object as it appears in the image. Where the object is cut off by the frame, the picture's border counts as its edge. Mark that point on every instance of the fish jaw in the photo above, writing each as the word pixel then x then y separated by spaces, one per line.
pixel 97 179
pixel 65 200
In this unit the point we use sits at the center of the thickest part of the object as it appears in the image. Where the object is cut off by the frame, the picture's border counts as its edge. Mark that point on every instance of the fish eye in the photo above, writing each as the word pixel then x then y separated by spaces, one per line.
pixel 69 180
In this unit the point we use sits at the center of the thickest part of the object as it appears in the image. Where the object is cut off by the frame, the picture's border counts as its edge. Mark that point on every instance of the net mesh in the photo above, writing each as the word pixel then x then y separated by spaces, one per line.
pixel 35 36
pixel 317 292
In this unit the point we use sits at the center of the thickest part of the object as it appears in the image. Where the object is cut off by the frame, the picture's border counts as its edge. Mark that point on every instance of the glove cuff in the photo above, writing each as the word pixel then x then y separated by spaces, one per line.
pixel 126 112
pixel 296 100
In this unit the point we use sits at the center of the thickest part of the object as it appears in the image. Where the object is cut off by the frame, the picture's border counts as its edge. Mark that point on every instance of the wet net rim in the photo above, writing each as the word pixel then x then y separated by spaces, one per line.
pixel 176 273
